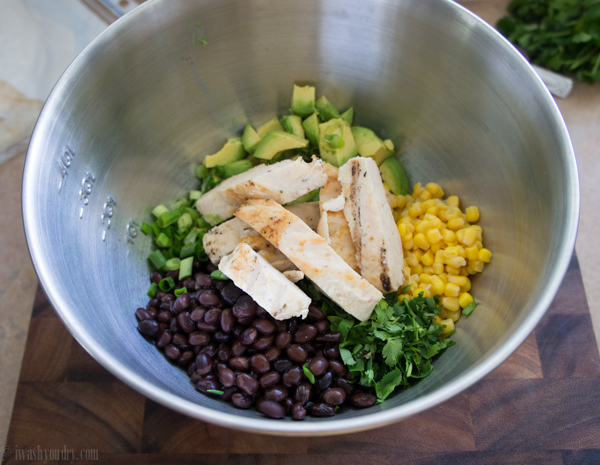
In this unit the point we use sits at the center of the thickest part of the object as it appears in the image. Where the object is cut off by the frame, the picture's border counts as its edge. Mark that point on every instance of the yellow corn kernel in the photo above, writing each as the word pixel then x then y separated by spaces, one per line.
pixel 449 323
pixel 427 289
pixel 472 214
pixel 460 234
pixel 404 214
pixel 437 285
pixel 484 255
pixel 465 300
pixel 476 265
pixel 476 227
pixel 461 251
pixel 437 320
pixel 466 287
pixel 411 259
pixel 425 195
pixel 452 213
pixel 480 236
pixel 456 223
pixel 450 303
pixel 415 210
pixel 423 226
pixel 441 214
pixel 454 316
pixel 433 210
pixel 450 252
pixel 427 204
pixel 400 201
pixel 414 279
pixel 452 270
pixel 453 201
pixel 472 252
pixel 455 262
pixel 444 278
pixel 449 236
pixel 417 269
pixel 418 253
pixel 469 237
pixel 416 292
pixel 437 268
pixel 479 245
pixel 436 223
pixel 424 278
pixel 428 270
pixel 427 258
pixel 434 235
pixel 386 187
pixel 401 228
pixel 440 257
pixel 463 271
pixel 458 280
pixel 436 247
pixel 435 190
pixel 408 245
pixel 421 241
pixel 451 289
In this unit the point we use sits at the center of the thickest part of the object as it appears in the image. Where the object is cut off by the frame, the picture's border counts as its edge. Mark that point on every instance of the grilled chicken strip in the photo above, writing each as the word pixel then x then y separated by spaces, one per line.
pixel 311 254
pixel 374 232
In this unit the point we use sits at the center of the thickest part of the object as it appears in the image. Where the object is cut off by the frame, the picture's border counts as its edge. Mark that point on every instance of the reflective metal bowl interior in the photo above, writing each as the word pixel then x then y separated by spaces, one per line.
pixel 146 101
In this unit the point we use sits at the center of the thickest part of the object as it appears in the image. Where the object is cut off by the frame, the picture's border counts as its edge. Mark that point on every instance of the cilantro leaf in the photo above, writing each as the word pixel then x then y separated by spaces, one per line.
pixel 388 383
pixel 392 351
pixel 347 357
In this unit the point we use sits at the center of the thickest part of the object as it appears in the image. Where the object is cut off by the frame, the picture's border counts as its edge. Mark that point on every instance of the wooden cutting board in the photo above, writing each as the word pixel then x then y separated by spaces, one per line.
pixel 541 406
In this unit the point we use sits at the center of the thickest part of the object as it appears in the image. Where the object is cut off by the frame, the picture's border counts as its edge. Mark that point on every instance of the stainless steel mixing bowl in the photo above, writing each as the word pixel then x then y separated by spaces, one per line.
pixel 145 101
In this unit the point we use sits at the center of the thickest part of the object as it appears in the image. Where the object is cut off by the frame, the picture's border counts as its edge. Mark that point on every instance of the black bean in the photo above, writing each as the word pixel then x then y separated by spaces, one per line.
pixel 272 353
pixel 165 316
pixel 163 326
pixel 227 320
pixel 205 384
pixel 226 377
pixel 203 280
pixel 282 365
pixel 303 393
pixel 209 349
pixel 293 325
pixel 363 400
pixel 345 385
pixel 248 336
pixel 269 379
pixel 259 363
pixel 198 314
pixel 146 313
pixel 174 326
pixel 209 299
pixel 311 349
pixel 194 377
pixel 264 342
pixel 191 369
pixel 297 353
pixel 186 358
pixel 292 376
pixel 246 383
pixel 172 352
pixel 329 336
pixel 272 409
pixel 213 317
pixel 244 309
pixel 322 326
pixel 203 326
pixel 185 323
pixel 241 400
pixel 276 393
pixel 154 303
pixel 219 285
pixel 239 363
pixel 221 337
pixel 283 339
pixel 231 293
pixel 325 381
pixel 181 341
pixel 318 365
pixel 339 369
pixel 332 351
pixel 315 313
pixel 181 303
pixel 228 392
pixel 281 325
pixel 203 364
pixel 264 326
pixel 148 327
pixel 298 412
pixel 223 352
pixel 322 410
pixel 189 283
pixel 163 339
pixel 260 311
pixel 173 274
pixel 237 348
pixel 156 276
pixel 334 396
pixel 287 404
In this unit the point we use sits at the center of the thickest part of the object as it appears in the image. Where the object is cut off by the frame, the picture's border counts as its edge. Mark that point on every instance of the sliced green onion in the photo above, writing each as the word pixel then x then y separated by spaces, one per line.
pixel 187 250
pixel 195 195
pixel 173 264
pixel 183 290
pixel 155 228
pixel 175 251
pixel 185 221
pixel 159 210
pixel 163 240
pixel 215 391
pixel 202 223
pixel 193 213
pixel 146 228
pixel 168 218
pixel 178 202
pixel 181 233
pixel 168 253
pixel 169 232
pixel 202 172
pixel 166 284
pixel 185 270
pixel 157 259
pixel 152 291
pixel 218 274
pixel 191 237
pixel 308 373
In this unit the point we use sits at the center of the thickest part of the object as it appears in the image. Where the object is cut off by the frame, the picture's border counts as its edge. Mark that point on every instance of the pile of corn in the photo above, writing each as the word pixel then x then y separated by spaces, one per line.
pixel 442 248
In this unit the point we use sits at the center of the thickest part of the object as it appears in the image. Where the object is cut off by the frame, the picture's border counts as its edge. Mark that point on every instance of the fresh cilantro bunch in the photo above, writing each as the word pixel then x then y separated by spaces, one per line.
pixel 561 35
pixel 398 342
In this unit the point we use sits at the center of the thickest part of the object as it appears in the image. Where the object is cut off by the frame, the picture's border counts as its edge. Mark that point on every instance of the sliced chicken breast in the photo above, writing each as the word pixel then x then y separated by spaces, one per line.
pixel 311 254
pixel 269 252
pixel 283 182
pixel 267 286
pixel 374 233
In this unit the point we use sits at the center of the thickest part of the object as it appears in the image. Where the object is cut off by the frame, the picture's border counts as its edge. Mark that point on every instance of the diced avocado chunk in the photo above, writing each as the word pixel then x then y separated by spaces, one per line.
pixel 272 125
pixel 312 196
pixel 393 174
pixel 336 143
pixel 276 142
pixel 389 144
pixel 233 150
pixel 303 101
pixel 311 128
pixel 348 115
pixel 326 110
pixel 237 167
pixel 250 139
pixel 369 145
pixel 293 125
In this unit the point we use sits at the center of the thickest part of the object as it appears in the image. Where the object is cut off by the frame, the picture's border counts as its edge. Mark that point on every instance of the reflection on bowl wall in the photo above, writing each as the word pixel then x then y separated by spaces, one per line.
pixel 146 101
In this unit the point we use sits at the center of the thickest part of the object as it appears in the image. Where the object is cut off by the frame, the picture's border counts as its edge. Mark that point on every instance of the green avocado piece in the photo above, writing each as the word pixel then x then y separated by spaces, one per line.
pixel 312 196
pixel 303 101
pixel 293 125
pixel 250 139
pixel 369 145
pixel 311 128
pixel 326 110
pixel 236 167
pixel 276 142
pixel 272 125
pixel 348 115
pixel 389 144
pixel 336 143
pixel 233 150
pixel 394 175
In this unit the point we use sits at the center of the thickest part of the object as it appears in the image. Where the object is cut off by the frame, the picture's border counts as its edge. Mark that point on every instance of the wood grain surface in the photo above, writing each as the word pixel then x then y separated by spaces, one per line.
pixel 542 406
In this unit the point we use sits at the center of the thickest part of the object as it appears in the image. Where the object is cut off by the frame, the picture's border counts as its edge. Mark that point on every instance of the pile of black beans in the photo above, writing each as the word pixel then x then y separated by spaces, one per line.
pixel 230 344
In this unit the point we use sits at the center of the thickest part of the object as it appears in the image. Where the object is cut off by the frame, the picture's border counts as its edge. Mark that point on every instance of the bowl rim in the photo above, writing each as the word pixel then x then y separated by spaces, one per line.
pixel 324 427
